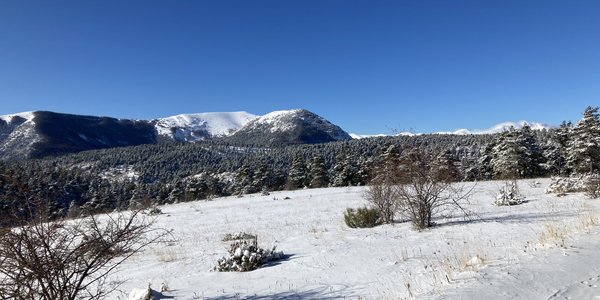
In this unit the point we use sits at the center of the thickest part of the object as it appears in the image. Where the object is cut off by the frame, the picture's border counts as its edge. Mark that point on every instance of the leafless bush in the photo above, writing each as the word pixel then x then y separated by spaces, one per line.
pixel 425 191
pixel 70 259
pixel 592 186
pixel 383 195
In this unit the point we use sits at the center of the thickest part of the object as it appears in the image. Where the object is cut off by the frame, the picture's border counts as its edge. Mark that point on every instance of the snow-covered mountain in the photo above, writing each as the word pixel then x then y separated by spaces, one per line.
pixel 43 133
pixel 200 126
pixel 288 127
pixel 17 132
pixel 501 128
pixel 498 128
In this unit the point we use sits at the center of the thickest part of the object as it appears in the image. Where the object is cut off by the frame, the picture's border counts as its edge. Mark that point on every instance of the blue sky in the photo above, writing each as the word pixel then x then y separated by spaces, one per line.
pixel 368 66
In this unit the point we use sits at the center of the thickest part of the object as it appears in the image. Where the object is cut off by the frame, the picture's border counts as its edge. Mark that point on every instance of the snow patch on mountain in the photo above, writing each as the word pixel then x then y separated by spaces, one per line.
pixel 278 120
pixel 366 136
pixel 18 133
pixel 501 128
pixel 193 127
pixel 498 128
pixel 28 116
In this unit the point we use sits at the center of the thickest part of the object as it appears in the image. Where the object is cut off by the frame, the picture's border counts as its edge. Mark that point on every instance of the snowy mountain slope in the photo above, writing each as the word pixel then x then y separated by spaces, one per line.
pixel 501 128
pixel 510 249
pixel 43 133
pixel 199 126
pixel 15 118
pixel 498 128
pixel 17 133
pixel 288 127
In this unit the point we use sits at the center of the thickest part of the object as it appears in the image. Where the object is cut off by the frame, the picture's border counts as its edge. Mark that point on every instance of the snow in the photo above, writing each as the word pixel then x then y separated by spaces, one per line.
pixel 498 128
pixel 276 119
pixel 546 247
pixel 365 136
pixel 214 123
pixel 28 115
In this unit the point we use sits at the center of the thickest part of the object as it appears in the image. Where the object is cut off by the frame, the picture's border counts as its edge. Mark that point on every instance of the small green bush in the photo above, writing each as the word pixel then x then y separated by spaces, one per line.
pixel 362 217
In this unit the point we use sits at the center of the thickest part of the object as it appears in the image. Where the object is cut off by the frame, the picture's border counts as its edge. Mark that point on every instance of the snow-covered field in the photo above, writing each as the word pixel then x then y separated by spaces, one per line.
pixel 546 248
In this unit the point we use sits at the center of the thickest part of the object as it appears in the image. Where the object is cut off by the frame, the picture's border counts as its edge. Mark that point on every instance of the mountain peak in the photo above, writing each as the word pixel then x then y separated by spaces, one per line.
pixel 199 126
pixel 285 127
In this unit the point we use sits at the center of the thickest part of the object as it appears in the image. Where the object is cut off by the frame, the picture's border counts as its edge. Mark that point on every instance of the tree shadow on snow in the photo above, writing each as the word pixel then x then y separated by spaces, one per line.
pixel 318 293
pixel 512 218
pixel 159 296
pixel 285 257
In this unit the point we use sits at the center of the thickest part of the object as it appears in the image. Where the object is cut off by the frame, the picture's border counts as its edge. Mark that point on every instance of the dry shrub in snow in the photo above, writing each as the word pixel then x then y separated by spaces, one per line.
pixel 425 191
pixel 362 217
pixel 239 236
pixel 68 260
pixel 563 185
pixel 245 255
pixel 592 186
pixel 509 194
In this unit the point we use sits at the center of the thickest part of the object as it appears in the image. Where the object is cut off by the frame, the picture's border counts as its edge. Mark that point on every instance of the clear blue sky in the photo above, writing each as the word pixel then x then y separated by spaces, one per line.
pixel 368 66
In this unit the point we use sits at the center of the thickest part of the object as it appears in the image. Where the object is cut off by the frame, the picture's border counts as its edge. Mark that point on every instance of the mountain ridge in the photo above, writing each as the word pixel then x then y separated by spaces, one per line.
pixel 37 134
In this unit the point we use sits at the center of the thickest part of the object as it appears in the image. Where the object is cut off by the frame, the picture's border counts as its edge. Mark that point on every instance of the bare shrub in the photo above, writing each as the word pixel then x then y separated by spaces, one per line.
pixel 383 195
pixel 592 186
pixel 383 189
pixel 362 217
pixel 69 259
pixel 425 191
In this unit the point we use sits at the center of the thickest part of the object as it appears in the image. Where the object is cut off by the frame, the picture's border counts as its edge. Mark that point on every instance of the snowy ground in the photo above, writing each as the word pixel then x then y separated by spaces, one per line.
pixel 546 248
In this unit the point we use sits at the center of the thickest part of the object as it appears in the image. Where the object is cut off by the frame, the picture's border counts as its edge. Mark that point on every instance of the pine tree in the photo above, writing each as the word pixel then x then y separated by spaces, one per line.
pixel 196 188
pixel 244 181
pixel 516 154
pixel 177 192
pixel 531 151
pixel 297 175
pixel 583 149
pixel 318 172
pixel 505 155
pixel 344 171
pixel 263 177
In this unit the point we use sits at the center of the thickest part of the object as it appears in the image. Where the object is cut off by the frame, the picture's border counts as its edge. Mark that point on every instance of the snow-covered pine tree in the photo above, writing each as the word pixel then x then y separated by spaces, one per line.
pixel 318 172
pixel 177 192
pixel 298 176
pixel 505 158
pixel 196 188
pixel 554 161
pixel 583 148
pixel 344 171
pixel 516 154
pixel 243 183
pixel 531 151
pixel 263 177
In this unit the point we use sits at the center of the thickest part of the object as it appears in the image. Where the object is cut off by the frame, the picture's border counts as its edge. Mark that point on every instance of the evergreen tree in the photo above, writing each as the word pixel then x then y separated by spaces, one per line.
pixel 243 181
pixel 583 149
pixel 344 171
pixel 318 172
pixel 531 151
pixel 177 192
pixel 196 188
pixel 554 161
pixel 515 154
pixel 297 177
pixel 263 178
